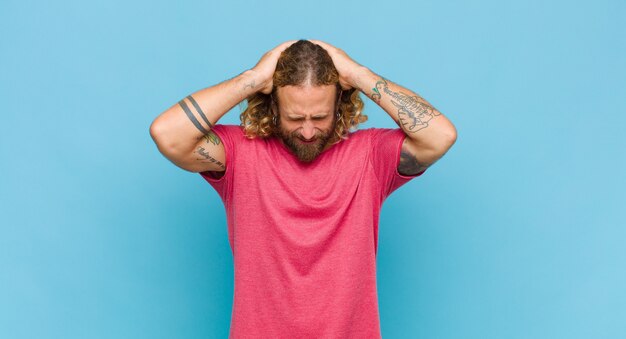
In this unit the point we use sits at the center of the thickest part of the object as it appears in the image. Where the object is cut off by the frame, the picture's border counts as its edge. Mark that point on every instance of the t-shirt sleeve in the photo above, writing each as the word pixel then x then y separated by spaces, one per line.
pixel 386 145
pixel 230 135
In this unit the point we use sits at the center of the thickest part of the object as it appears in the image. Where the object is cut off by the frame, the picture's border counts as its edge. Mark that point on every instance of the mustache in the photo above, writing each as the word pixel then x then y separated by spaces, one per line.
pixel 318 135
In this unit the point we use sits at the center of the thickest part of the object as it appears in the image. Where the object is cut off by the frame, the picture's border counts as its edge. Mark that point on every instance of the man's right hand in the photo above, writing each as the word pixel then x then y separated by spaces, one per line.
pixel 265 68
pixel 183 132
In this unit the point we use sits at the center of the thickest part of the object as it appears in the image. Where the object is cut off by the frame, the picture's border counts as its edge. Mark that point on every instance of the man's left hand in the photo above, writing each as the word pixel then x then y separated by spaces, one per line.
pixel 346 67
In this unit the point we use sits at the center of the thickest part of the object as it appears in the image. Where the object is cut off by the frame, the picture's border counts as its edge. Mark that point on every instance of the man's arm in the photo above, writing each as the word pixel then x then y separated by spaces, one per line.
pixel 429 134
pixel 183 132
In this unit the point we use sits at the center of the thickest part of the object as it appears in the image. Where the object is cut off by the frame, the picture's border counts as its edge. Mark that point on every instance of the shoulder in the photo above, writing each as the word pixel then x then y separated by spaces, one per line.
pixel 230 129
pixel 364 134
pixel 375 137
pixel 353 139
pixel 377 134
pixel 232 134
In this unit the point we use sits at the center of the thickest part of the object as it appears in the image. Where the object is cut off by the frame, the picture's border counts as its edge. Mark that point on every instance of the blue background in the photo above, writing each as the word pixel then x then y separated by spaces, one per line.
pixel 518 232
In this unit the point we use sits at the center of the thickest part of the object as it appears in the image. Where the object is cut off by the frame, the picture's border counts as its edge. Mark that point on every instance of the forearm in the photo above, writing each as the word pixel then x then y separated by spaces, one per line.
pixel 419 120
pixel 180 127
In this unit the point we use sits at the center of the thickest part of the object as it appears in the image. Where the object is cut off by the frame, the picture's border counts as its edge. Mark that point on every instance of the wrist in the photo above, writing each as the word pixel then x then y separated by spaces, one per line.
pixel 360 77
pixel 249 82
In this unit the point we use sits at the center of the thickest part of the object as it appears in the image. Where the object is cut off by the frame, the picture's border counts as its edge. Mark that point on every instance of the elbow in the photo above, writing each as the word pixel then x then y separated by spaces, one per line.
pixel 159 135
pixel 450 134
pixel 156 131
pixel 168 141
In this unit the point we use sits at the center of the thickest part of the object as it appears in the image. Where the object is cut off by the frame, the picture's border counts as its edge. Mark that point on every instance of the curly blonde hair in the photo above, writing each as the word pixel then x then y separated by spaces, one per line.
pixel 301 63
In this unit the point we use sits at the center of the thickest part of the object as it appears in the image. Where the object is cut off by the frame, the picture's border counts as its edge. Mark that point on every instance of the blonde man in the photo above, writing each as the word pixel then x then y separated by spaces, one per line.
pixel 302 187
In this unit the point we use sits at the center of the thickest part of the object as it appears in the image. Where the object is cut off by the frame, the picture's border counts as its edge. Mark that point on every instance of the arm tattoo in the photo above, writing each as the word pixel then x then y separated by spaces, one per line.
pixel 208 158
pixel 212 138
pixel 197 107
pixel 376 95
pixel 414 112
pixel 192 117
pixel 409 164
pixel 251 84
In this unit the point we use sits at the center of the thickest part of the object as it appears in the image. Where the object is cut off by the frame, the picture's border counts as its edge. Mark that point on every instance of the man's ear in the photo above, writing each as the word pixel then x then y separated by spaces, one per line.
pixel 274 107
pixel 338 102
pixel 274 110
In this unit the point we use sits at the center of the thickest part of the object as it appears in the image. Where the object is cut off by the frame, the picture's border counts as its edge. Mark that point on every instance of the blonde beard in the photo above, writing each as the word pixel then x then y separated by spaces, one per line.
pixel 303 151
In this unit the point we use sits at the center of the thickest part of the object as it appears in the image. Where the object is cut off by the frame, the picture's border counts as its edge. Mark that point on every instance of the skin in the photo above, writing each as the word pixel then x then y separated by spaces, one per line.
pixel 305 113
pixel 429 133
pixel 306 119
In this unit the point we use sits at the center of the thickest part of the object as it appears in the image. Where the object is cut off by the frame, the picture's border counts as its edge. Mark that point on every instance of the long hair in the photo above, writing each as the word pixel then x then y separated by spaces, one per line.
pixel 301 63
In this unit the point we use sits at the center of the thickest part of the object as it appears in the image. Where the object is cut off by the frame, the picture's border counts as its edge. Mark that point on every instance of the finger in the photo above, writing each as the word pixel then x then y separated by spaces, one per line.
pixel 285 45
pixel 324 45
pixel 281 47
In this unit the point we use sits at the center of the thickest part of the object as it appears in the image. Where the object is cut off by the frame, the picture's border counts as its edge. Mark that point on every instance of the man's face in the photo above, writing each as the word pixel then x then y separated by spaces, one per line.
pixel 307 118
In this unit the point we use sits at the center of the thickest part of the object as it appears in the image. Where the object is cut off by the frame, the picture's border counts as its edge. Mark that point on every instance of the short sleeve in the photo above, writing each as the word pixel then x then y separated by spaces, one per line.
pixel 386 145
pixel 230 135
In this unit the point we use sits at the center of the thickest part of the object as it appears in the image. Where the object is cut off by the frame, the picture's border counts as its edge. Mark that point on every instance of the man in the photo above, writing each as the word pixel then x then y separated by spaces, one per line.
pixel 302 191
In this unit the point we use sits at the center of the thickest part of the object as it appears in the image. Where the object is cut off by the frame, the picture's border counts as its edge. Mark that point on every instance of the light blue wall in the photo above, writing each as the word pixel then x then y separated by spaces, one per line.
pixel 518 232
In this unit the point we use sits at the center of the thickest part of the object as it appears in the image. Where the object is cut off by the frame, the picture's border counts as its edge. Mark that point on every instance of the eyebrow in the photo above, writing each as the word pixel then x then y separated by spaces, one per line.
pixel 319 115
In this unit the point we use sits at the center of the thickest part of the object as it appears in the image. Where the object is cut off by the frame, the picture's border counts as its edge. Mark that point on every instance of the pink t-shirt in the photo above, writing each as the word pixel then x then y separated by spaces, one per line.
pixel 304 236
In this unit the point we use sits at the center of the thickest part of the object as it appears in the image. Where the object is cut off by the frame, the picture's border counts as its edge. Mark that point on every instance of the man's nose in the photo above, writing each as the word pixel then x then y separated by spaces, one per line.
pixel 308 130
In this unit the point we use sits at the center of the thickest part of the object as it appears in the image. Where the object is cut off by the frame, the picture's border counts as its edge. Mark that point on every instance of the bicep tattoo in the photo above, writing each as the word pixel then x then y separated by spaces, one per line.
pixel 207 158
pixel 409 165
pixel 212 138
pixel 192 117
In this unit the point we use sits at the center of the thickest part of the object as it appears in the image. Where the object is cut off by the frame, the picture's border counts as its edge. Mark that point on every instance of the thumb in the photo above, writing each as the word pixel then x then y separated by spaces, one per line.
pixel 344 85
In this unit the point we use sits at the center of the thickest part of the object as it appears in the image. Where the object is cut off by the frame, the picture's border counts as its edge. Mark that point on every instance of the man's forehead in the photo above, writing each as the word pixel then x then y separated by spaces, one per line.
pixel 307 92
pixel 307 99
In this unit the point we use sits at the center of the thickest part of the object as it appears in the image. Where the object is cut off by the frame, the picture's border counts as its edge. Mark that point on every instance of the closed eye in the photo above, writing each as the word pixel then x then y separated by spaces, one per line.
pixel 314 118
